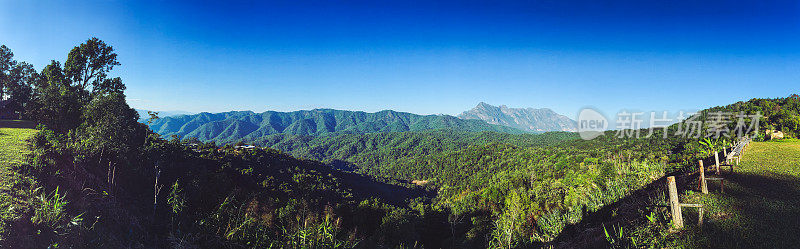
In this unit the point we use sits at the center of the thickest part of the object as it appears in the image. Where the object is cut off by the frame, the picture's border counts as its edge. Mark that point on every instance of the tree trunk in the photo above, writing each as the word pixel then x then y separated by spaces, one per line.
pixel 156 190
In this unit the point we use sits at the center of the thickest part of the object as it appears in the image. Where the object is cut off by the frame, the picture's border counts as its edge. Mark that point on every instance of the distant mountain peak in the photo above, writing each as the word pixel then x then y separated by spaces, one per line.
pixel 526 119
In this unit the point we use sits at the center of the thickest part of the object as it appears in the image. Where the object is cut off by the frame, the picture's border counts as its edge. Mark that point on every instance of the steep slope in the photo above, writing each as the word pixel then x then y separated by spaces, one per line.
pixel 229 127
pixel 526 119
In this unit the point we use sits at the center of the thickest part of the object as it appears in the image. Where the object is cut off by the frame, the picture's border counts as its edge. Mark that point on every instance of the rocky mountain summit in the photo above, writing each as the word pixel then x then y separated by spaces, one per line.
pixel 526 119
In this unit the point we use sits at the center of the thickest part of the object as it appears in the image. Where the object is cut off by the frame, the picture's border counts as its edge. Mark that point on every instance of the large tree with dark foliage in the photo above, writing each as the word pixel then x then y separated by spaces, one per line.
pixel 88 65
pixel 55 102
pixel 61 93
pixel 15 82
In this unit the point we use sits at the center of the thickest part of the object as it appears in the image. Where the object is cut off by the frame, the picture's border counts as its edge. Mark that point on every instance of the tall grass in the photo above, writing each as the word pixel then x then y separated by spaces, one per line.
pixel 51 211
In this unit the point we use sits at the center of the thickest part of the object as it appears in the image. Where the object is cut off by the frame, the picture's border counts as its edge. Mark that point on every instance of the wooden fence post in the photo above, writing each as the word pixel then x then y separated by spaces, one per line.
pixel 725 152
pixel 716 160
pixel 742 150
pixel 674 204
pixel 700 216
pixel 703 186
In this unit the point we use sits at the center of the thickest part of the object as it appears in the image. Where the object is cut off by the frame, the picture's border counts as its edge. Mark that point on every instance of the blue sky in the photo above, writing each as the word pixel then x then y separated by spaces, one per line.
pixel 425 57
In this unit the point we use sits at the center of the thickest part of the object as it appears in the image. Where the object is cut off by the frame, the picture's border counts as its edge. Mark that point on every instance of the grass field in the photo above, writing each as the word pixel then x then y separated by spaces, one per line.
pixel 760 207
pixel 15 189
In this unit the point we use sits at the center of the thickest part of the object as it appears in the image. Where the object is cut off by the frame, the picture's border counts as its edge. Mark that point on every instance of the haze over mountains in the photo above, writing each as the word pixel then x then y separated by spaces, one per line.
pixel 526 119
pixel 235 126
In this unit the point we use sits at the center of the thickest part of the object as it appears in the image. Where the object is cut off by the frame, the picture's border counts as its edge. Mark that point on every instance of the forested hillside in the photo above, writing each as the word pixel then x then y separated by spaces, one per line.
pixel 368 150
pixel 781 114
pixel 229 127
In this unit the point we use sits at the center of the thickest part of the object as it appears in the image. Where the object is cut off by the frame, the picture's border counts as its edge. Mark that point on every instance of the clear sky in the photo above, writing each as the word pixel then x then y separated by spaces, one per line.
pixel 425 57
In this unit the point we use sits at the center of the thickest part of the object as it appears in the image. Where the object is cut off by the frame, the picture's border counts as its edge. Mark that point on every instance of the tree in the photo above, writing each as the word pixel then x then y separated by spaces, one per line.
pixel 110 132
pixel 55 103
pixel 110 124
pixel 153 116
pixel 509 225
pixel 60 93
pixel 15 81
pixel 6 63
pixel 88 64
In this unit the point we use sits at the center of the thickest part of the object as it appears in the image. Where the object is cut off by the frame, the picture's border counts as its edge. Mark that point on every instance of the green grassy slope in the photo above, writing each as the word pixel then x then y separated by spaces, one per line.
pixel 760 207
pixel 15 189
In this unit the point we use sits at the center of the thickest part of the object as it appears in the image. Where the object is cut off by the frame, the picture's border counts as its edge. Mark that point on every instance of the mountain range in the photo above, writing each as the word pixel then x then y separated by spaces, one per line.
pixel 526 119
pixel 230 127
